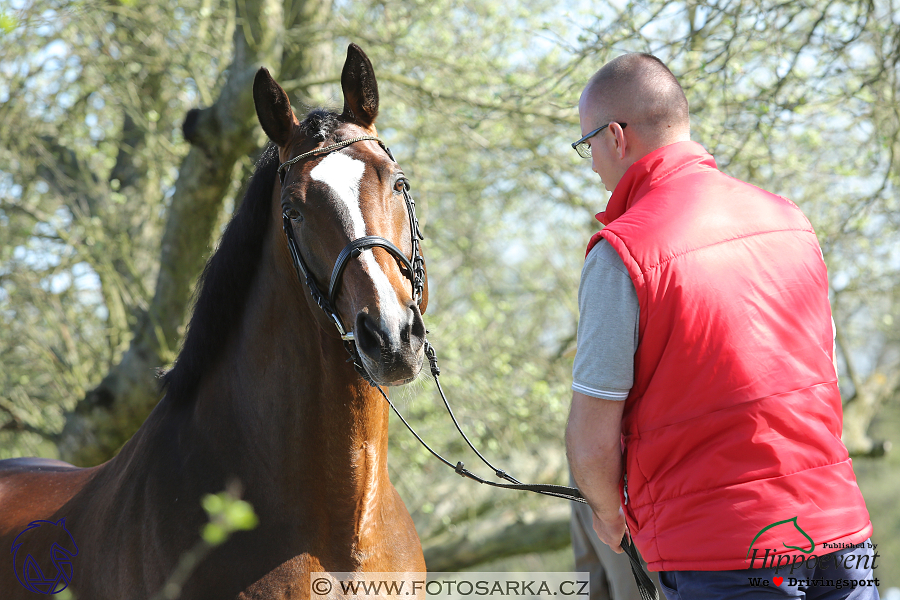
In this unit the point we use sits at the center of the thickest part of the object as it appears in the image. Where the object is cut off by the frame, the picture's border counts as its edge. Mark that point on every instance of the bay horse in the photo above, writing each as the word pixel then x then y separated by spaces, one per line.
pixel 262 391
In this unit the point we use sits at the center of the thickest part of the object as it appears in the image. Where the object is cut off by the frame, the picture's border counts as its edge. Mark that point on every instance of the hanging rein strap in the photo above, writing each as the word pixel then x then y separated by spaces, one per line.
pixel 645 585
pixel 559 491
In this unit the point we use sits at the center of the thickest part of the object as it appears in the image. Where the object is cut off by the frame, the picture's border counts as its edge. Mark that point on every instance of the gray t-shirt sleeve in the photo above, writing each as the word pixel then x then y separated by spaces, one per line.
pixel 607 327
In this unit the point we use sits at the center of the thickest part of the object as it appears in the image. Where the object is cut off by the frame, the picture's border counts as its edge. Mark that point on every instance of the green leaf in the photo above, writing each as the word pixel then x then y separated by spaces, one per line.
pixel 8 23
pixel 214 533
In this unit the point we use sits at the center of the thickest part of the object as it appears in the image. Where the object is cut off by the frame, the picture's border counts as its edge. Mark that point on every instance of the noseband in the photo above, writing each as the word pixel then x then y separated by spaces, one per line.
pixel 414 269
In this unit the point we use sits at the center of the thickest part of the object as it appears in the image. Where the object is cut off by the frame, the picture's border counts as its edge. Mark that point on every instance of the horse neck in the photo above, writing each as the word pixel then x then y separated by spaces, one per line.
pixel 288 409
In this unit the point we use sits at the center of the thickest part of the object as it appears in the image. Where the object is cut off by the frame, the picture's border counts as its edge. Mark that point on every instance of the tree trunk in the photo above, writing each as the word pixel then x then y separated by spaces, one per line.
pixel 219 135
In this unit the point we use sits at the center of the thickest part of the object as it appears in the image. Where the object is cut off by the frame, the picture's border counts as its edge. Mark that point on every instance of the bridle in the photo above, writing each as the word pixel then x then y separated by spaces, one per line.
pixel 415 271
pixel 415 268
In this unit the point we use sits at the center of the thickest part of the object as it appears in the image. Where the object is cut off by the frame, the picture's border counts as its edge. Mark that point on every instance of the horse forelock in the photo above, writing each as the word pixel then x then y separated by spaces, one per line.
pixel 320 124
pixel 225 283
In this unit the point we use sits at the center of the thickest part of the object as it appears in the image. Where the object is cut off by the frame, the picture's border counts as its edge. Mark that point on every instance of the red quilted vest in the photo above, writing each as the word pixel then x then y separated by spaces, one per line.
pixel 734 421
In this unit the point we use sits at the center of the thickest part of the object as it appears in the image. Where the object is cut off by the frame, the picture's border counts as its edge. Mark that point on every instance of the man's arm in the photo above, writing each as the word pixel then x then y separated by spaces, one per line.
pixel 593 445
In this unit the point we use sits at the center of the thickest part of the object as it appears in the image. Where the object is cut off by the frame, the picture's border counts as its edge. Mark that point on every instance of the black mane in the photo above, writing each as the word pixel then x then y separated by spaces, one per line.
pixel 225 283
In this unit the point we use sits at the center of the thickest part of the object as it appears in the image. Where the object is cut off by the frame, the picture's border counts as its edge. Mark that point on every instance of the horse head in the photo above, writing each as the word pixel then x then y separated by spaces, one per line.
pixel 348 213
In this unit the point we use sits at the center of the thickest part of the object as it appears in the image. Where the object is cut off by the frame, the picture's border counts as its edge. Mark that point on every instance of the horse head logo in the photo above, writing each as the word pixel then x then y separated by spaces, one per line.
pixel 787 533
pixel 30 550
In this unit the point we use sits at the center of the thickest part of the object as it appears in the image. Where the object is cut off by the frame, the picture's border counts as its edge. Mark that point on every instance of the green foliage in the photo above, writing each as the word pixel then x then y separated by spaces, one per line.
pixel 227 514
pixel 8 23
pixel 93 96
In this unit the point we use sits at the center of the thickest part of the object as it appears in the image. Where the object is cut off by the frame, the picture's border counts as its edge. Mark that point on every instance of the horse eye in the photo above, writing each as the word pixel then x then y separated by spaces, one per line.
pixel 294 215
pixel 401 185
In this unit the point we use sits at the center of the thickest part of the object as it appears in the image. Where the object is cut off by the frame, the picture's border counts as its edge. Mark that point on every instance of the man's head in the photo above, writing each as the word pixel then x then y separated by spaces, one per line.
pixel 640 91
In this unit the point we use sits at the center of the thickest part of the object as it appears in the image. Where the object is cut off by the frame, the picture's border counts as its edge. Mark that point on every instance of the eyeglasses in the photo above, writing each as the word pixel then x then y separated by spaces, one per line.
pixel 583 148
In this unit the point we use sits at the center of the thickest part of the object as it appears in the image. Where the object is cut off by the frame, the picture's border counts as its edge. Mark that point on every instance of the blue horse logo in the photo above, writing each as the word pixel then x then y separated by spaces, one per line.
pixel 28 570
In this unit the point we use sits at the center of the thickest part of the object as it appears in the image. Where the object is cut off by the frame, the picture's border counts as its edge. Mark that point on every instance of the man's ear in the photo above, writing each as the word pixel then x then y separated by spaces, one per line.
pixel 273 108
pixel 360 88
pixel 621 142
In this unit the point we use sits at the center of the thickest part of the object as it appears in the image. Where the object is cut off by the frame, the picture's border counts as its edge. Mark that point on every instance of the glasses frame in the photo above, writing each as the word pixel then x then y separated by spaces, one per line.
pixel 583 148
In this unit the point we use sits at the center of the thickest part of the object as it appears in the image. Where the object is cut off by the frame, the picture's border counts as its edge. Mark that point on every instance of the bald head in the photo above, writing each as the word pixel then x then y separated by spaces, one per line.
pixel 638 89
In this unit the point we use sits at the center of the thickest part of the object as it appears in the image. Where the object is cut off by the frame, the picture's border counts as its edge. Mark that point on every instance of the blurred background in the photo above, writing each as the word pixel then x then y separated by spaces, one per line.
pixel 109 208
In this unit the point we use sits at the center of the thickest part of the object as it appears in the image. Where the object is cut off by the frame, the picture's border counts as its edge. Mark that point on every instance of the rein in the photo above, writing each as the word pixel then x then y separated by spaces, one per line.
pixel 416 274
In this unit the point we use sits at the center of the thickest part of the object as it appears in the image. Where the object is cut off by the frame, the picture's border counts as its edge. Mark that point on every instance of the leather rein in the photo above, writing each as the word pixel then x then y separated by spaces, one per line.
pixel 415 270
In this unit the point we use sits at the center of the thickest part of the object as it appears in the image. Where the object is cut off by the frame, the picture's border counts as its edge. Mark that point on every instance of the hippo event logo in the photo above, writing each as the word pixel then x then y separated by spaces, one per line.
pixel 56 560
pixel 853 560
pixel 784 531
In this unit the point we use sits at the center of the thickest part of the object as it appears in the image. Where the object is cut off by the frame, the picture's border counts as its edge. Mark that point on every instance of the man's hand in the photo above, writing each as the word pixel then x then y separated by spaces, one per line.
pixel 593 445
pixel 611 531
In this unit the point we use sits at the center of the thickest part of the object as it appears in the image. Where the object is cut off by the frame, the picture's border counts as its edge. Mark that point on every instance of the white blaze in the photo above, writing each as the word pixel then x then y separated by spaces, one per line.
pixel 343 174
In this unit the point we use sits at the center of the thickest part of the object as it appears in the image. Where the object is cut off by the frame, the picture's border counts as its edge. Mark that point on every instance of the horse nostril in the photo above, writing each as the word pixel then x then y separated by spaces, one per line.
pixel 367 333
pixel 415 328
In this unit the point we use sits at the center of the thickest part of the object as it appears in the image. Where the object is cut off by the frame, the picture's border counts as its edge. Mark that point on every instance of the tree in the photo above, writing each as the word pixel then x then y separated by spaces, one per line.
pixel 144 327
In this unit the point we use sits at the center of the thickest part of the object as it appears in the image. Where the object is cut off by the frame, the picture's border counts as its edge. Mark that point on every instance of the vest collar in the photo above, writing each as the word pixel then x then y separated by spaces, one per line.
pixel 649 172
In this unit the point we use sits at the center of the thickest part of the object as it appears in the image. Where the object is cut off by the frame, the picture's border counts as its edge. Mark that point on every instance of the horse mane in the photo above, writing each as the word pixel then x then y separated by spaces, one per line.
pixel 225 283
pixel 223 286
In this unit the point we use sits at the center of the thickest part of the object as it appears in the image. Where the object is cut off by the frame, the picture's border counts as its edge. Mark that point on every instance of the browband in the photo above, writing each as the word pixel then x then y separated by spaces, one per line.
pixel 330 148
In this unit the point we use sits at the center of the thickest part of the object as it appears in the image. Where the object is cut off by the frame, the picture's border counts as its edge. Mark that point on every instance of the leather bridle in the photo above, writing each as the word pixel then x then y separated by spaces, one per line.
pixel 416 272
pixel 415 267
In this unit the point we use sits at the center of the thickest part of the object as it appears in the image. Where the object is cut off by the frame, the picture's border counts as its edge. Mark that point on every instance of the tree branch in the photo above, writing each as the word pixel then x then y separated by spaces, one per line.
pixel 841 345
pixel 507 107
pixel 492 537
pixel 220 135
pixel 16 424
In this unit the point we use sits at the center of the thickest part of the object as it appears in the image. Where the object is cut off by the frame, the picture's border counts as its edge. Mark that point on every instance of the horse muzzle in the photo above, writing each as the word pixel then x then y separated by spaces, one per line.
pixel 391 347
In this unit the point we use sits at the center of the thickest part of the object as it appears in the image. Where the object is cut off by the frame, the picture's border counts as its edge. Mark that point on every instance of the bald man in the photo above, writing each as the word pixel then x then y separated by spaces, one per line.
pixel 706 417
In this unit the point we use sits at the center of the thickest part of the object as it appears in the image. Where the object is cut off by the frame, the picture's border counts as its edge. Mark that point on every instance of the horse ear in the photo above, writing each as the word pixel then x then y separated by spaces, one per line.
pixel 273 108
pixel 359 87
